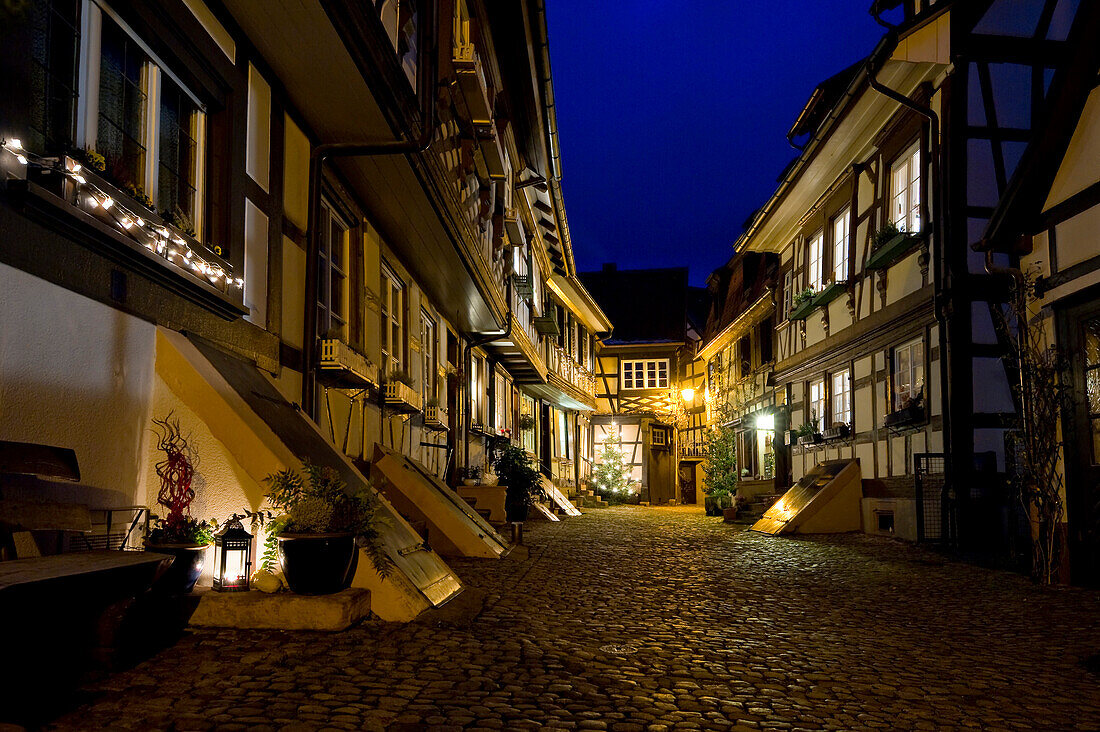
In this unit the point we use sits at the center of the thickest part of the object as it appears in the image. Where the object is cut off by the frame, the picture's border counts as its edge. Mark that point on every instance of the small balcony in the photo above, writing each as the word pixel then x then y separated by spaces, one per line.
pixel 469 70
pixel 343 367
pixel 565 367
pixel 435 418
pixel 513 224
pixel 401 397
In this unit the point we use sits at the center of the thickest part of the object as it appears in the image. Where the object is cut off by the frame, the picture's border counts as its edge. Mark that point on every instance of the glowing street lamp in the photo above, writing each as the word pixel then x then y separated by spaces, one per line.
pixel 765 422
pixel 687 394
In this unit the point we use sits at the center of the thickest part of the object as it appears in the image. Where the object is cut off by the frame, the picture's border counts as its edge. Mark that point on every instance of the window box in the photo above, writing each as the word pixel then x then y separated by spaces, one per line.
pixel 514 226
pixel 471 76
pixel 906 417
pixel 838 432
pixel 547 325
pixel 802 310
pixel 481 429
pixel 495 159
pixel 402 397
pixel 345 368
pixel 892 251
pixel 831 292
pixel 435 418
pixel 523 286
pixel 815 439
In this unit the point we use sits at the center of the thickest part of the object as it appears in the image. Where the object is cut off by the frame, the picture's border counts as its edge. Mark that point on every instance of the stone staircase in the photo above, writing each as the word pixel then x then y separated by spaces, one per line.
pixel 587 498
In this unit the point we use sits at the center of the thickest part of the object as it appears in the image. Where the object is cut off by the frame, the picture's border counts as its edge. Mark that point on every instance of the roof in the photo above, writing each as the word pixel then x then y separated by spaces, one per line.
pixel 824 98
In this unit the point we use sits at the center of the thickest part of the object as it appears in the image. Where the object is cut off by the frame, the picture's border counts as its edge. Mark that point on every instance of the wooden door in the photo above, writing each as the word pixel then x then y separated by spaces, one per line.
pixel 687 482
pixel 1079 333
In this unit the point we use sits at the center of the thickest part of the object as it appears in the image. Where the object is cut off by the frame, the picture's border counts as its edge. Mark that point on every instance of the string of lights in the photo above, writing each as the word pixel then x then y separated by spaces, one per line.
pixel 157 238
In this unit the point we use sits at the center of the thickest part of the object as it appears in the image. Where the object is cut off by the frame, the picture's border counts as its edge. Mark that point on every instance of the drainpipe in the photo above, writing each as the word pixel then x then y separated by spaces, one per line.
pixel 938 303
pixel 426 84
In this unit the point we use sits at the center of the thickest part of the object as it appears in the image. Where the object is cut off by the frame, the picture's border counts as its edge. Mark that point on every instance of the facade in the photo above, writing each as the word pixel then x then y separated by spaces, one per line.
pixel 1046 224
pixel 649 385
pixel 887 348
pixel 738 353
pixel 365 211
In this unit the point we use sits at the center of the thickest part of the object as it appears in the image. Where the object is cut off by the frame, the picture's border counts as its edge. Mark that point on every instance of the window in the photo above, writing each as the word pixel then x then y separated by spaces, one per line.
pixel 148 126
pixel 478 379
pixel 176 179
pixel 842 398
pixel 331 275
pixel 123 73
pixel 54 48
pixel 840 245
pixel 767 332
pixel 428 347
pixel 816 413
pixel 658 436
pixel 502 412
pixel 649 374
pixel 788 294
pixel 393 317
pixel 815 260
pixel 744 354
pixel 908 374
pixel 905 191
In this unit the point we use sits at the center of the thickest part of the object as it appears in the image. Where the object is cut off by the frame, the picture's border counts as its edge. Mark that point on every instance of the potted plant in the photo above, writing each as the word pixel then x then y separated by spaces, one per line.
pixel 323 523
pixel 802 304
pixel 888 244
pixel 177 534
pixel 717 501
pixel 471 475
pixel 524 484
pixel 526 422
pixel 808 434
pixel 399 391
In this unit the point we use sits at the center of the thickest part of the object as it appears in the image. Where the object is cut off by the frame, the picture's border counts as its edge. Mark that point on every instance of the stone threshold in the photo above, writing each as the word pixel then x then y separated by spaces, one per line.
pixel 280 611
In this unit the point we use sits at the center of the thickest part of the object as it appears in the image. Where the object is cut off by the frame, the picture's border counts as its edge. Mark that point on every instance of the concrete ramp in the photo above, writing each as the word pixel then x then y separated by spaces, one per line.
pixel 266 433
pixel 539 512
pixel 454 528
pixel 558 498
pixel 825 501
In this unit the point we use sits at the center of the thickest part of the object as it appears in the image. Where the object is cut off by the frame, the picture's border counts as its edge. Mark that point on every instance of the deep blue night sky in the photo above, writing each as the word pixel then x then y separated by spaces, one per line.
pixel 673 116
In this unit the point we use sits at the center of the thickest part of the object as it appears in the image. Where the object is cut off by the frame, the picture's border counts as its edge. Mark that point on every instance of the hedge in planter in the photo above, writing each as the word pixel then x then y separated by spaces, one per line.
pixel 524 484
pixel 323 524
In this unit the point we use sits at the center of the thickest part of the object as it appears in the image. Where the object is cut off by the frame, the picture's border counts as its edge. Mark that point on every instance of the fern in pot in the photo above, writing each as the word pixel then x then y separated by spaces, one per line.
pixel 323 524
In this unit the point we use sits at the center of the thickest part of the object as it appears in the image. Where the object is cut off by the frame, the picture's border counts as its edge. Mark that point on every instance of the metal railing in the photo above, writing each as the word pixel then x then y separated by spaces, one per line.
pixel 563 364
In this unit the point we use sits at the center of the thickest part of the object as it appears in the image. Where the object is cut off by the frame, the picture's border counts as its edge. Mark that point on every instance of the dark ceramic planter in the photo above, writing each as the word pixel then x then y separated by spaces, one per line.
pixel 516 510
pixel 188 561
pixel 317 564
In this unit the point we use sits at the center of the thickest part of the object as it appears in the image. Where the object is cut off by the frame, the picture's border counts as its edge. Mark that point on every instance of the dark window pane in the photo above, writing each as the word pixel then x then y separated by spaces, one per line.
pixel 121 106
pixel 176 179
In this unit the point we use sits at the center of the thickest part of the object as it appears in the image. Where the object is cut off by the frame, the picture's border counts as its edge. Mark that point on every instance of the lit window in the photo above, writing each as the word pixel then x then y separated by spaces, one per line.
pixel 647 374
pixel 842 398
pixel 905 191
pixel 428 346
pixel 840 246
pixel 814 258
pixel 788 294
pixel 908 374
pixel 393 317
pixel 816 414
pixel 331 275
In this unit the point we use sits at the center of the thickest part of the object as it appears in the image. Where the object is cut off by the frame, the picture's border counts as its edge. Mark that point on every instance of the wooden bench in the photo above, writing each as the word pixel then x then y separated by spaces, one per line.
pixel 60 613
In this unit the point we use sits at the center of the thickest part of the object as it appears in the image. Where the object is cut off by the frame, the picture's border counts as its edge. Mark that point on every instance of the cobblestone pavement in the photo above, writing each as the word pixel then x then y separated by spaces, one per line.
pixel 636 619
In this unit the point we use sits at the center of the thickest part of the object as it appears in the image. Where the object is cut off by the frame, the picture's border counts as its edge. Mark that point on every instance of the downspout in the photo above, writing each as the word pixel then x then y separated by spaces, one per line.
pixel 426 83
pixel 873 68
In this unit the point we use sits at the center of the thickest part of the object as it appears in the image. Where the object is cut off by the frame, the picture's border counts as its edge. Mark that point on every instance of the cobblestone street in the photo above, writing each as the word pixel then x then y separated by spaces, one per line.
pixel 636 619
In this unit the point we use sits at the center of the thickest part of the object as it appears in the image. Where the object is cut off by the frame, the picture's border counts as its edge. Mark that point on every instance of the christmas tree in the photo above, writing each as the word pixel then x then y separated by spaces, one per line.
pixel 612 474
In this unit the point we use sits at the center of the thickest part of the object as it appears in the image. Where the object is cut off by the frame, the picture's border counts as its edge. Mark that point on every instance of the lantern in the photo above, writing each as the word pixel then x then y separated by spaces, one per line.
pixel 232 557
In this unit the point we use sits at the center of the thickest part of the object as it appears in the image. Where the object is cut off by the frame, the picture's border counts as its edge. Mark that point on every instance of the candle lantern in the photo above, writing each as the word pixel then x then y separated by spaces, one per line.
pixel 232 557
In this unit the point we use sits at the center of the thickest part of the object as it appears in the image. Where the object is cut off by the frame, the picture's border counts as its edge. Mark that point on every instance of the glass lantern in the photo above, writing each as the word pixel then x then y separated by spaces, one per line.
pixel 232 557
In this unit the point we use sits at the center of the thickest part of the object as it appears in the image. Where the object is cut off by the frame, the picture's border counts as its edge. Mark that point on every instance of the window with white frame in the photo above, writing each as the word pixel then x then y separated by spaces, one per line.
pixel 393 319
pixel 815 414
pixel 332 254
pixel 428 348
pixel 815 260
pixel 841 225
pixel 502 403
pixel 645 374
pixel 905 191
pixel 841 398
pixel 478 379
pixel 908 374
pixel 54 45
pixel 139 116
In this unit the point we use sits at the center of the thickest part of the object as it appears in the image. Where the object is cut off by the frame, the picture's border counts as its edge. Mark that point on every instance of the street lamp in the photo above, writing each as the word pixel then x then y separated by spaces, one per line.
pixel 765 422
pixel 687 394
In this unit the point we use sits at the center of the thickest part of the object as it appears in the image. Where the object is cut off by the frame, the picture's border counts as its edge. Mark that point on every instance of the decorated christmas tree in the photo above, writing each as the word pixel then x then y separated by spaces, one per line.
pixel 611 476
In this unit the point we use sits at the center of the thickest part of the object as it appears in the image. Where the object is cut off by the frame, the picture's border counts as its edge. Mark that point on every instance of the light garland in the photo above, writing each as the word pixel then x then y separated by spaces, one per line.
pixel 163 241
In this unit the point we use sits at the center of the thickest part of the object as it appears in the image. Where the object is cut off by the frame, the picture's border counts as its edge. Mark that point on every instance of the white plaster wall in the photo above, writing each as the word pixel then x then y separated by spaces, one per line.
pixel 75 373
pixel 1076 238
pixel 294 275
pixel 1079 169
pixel 258 143
pixel 903 278
pixel 221 485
